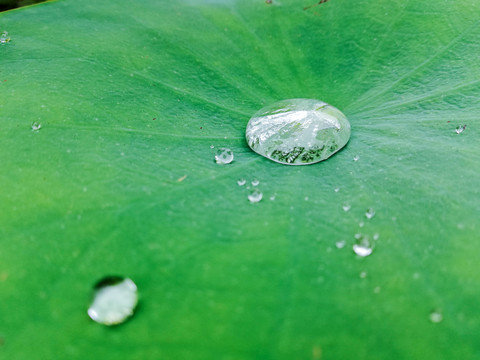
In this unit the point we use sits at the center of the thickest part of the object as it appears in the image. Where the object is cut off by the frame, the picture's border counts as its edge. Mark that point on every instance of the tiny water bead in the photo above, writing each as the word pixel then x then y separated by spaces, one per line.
pixel 370 213
pixel 460 129
pixel 114 300
pixel 4 38
pixel 241 182
pixel 356 158
pixel 298 131
pixel 363 246
pixel 255 196
pixel 36 126
pixel 340 244
pixel 346 207
pixel 224 156
pixel 255 182
pixel 436 317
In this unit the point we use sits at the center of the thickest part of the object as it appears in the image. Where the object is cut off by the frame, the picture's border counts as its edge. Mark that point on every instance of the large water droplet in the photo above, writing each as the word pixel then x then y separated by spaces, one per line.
pixel 255 196
pixel 298 131
pixel 363 246
pixel 114 300
pixel 224 156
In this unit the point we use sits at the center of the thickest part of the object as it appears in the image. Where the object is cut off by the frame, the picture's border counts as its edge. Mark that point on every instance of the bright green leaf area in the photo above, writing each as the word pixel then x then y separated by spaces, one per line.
pixel 120 180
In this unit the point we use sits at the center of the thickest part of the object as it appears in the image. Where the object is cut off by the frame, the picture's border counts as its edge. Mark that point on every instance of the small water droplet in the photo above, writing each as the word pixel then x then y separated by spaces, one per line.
pixel 4 38
pixel 211 146
pixel 459 129
pixel 363 246
pixel 377 289
pixel 370 213
pixel 255 182
pixel 356 157
pixel 436 316
pixel 36 126
pixel 361 224
pixel 114 300
pixel 298 131
pixel 376 236
pixel 224 156
pixel 272 198
pixel 346 207
pixel 340 244
pixel 337 189
pixel 306 198
pixel 358 236
pixel 241 182
pixel 363 274
pixel 255 196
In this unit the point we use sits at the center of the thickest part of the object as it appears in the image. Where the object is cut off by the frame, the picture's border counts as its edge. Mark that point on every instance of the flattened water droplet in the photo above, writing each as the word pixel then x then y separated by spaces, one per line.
pixel 363 246
pixel 460 129
pixel 436 317
pixel 241 182
pixel 36 126
pixel 255 196
pixel 370 213
pixel 224 156
pixel 114 300
pixel 298 131
pixel 255 182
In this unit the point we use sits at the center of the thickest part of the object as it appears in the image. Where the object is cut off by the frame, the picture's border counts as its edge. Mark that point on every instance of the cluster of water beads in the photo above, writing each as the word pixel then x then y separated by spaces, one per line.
pixel 114 300
pixel 4 38
pixel 224 156
pixel 459 129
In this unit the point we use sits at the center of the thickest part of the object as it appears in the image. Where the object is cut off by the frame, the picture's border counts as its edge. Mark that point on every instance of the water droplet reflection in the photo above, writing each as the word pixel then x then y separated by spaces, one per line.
pixel 298 131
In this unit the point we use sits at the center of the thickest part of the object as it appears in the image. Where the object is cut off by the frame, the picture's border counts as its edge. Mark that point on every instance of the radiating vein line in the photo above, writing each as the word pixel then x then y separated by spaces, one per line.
pixel 204 63
pixel 373 54
pixel 418 99
pixel 421 65
pixel 146 132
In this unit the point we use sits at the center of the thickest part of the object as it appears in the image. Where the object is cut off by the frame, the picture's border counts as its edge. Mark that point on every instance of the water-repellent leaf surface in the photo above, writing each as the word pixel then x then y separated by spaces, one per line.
pixel 121 180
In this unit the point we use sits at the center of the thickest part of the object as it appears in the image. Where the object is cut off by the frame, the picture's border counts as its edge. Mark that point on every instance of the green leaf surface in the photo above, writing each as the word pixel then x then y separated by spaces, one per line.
pixel 120 180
